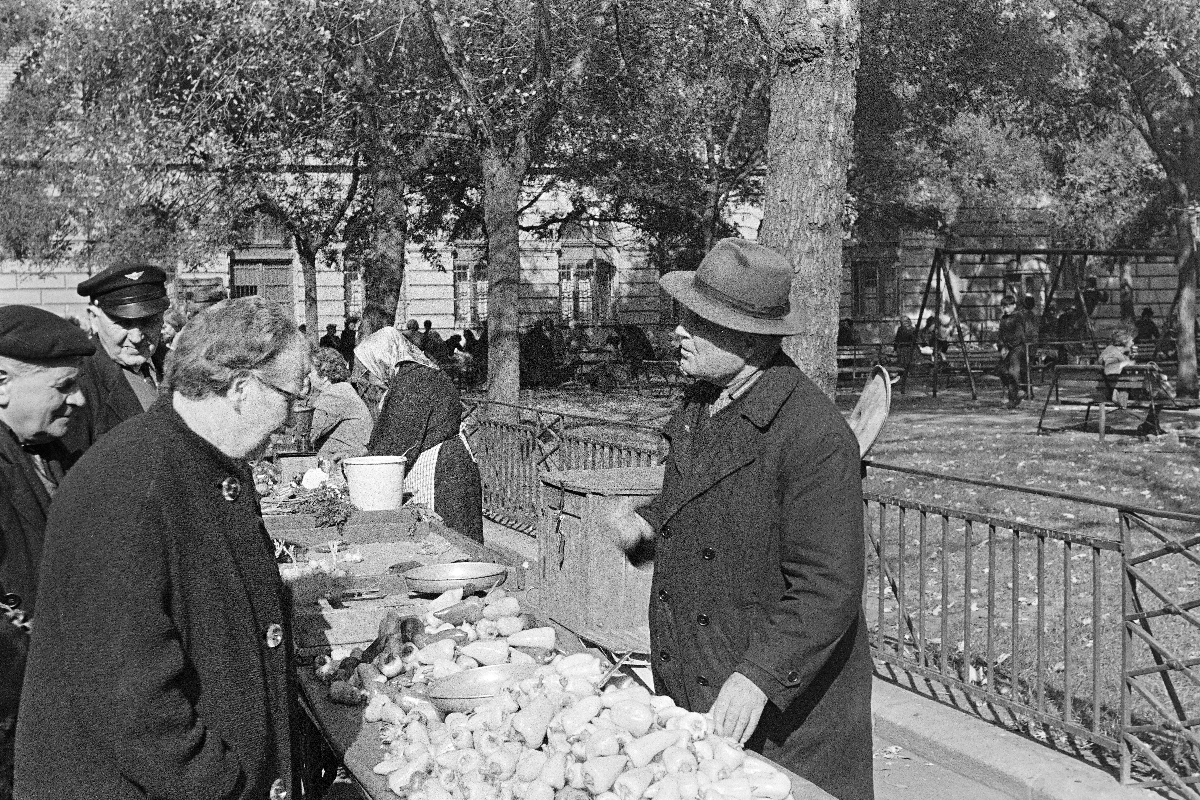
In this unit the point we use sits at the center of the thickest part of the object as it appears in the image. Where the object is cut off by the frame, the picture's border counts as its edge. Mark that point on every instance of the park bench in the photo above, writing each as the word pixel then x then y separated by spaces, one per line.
pixel 856 362
pixel 1130 392
pixel 982 360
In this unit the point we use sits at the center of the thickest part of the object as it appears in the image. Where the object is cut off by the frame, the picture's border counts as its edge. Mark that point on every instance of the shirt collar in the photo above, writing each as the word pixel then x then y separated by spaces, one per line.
pixel 761 403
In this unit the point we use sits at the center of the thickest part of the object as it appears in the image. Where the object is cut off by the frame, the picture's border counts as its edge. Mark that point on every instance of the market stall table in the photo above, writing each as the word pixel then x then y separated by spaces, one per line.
pixel 355 742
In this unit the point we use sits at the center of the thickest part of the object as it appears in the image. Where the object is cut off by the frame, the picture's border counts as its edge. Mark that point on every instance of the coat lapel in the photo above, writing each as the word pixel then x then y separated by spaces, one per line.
pixel 738 443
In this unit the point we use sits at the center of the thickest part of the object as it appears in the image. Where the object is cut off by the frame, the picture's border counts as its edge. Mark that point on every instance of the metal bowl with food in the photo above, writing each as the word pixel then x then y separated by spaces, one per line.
pixel 438 578
pixel 473 687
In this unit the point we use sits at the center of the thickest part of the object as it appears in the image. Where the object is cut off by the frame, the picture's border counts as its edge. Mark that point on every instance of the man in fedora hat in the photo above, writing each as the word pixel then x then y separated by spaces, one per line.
pixel 755 609
pixel 125 310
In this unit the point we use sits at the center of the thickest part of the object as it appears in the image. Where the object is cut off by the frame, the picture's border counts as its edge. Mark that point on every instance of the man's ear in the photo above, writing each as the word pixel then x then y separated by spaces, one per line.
pixel 6 381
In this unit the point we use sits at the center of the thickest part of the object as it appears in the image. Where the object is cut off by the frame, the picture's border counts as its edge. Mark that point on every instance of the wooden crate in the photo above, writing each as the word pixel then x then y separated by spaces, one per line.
pixel 584 581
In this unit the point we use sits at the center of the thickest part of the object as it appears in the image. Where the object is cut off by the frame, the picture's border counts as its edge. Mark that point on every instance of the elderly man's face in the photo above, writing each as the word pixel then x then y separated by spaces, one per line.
pixel 128 342
pixel 36 402
pixel 708 351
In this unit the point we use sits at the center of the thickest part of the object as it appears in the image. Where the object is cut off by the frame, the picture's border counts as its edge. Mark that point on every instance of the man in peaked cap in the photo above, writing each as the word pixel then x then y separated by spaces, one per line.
pixel 39 364
pixel 126 306
pixel 755 609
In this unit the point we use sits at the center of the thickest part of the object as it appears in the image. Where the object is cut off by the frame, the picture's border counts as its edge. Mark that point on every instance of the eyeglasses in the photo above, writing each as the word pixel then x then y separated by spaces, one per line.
pixel 292 397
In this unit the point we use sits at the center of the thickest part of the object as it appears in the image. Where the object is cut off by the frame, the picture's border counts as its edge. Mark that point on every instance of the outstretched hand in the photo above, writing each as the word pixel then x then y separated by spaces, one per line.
pixel 738 708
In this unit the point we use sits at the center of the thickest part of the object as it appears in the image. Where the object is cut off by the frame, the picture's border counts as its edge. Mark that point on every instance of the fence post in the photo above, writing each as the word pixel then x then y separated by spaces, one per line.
pixel 1126 536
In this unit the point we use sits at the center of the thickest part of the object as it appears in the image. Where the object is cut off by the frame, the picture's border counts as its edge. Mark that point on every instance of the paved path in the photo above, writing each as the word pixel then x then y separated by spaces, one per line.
pixel 901 774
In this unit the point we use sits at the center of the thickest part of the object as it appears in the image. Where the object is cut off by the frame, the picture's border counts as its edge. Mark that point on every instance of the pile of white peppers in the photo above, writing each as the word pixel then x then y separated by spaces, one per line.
pixel 558 736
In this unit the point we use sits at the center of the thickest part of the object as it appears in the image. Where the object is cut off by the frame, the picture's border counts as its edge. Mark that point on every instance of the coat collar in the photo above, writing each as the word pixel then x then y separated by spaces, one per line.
pixel 12 452
pixel 740 442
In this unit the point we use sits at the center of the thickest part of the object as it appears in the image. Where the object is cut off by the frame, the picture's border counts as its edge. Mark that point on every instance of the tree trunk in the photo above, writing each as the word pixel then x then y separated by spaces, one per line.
pixel 502 177
pixel 308 269
pixel 808 150
pixel 383 268
pixel 1185 313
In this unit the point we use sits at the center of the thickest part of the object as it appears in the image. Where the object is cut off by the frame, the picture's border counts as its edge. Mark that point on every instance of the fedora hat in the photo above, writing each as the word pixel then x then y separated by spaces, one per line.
pixel 739 285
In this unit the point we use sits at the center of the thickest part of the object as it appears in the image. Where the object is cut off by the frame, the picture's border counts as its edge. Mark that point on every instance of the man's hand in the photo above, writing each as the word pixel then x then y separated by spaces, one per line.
pixel 738 708
pixel 628 527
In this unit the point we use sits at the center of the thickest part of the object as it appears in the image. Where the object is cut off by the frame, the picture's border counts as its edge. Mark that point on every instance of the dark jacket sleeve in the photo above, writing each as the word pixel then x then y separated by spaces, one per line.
pixel 131 664
pixel 821 551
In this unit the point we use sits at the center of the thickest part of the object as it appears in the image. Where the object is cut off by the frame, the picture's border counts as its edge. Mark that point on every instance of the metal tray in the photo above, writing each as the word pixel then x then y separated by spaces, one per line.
pixel 473 687
pixel 438 578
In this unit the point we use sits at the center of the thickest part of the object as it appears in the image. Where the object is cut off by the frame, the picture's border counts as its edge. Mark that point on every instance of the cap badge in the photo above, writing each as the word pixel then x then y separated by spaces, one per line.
pixel 230 489
pixel 133 276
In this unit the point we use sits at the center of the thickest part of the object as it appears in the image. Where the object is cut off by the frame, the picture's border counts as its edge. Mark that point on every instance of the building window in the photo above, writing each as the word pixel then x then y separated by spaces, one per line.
pixel 876 288
pixel 585 291
pixel 470 290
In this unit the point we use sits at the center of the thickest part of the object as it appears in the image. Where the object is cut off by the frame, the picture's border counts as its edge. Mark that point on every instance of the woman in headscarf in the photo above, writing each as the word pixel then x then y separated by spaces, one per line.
pixel 419 418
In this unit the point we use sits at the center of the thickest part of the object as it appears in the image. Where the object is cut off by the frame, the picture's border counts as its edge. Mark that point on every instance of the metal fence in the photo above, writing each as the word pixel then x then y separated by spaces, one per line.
pixel 514 444
pixel 1051 627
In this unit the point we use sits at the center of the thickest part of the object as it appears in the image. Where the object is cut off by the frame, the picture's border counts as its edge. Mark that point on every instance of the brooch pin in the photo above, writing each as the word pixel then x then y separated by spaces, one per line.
pixel 231 488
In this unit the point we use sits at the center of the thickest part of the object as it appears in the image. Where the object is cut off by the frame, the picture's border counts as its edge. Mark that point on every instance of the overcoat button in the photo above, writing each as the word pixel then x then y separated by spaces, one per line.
pixel 274 635
pixel 664 656
pixel 666 533
pixel 231 488
pixel 708 554
pixel 702 619
pixel 279 790
pixel 701 680
pixel 663 596
pixel 793 676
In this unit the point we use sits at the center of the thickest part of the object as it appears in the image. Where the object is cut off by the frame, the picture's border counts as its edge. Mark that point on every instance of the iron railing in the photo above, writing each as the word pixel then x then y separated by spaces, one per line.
pixel 1049 626
pixel 515 444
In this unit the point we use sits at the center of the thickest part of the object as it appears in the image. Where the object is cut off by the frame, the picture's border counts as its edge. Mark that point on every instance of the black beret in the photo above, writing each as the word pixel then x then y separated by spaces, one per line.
pixel 130 292
pixel 31 334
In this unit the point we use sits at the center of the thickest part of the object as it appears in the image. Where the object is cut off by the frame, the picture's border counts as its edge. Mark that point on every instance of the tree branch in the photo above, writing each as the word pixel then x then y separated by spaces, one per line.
pixel 478 113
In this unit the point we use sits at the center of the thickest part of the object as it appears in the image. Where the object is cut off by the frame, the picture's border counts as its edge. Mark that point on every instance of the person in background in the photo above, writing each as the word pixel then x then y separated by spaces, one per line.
pixel 1011 344
pixel 348 339
pixel 420 419
pixel 1147 331
pixel 39 367
pixel 166 672
pixel 756 602
pixel 412 332
pixel 173 322
pixel 330 339
pixel 341 423
pixel 125 313
pixel 846 337
pixel 904 343
pixel 1033 323
pixel 537 358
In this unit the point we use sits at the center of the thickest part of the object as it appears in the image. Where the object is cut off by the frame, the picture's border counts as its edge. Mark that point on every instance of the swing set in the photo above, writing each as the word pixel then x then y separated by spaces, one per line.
pixel 972 358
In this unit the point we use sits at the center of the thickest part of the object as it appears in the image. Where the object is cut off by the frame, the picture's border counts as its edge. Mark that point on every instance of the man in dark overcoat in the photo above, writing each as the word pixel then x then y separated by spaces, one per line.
pixel 755 609
pixel 39 365
pixel 164 671
pixel 125 313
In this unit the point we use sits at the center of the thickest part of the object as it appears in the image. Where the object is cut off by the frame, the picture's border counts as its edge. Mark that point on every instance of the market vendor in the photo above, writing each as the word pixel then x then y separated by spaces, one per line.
pixel 341 424
pixel 420 418
pixel 755 609
pixel 125 312
pixel 164 671
pixel 39 364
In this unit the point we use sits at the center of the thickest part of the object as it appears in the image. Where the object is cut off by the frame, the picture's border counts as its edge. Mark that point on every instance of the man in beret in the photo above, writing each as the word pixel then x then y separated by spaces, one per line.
pixel 39 393
pixel 125 310
pixel 756 602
